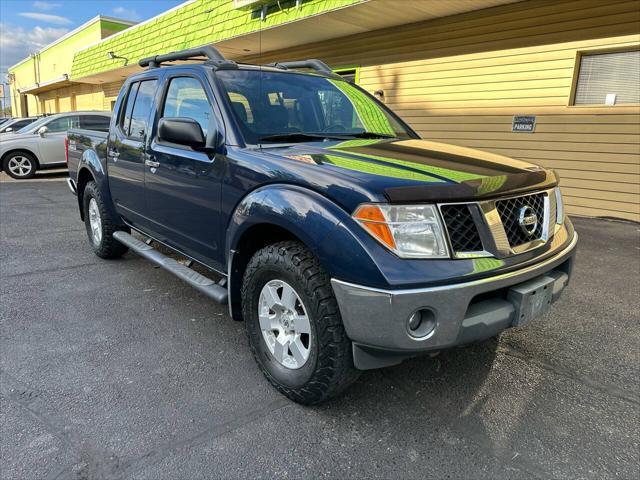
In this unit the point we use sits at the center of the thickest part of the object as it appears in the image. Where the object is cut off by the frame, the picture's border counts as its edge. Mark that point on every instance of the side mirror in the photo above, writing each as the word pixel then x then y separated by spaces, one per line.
pixel 9 129
pixel 183 131
pixel 42 131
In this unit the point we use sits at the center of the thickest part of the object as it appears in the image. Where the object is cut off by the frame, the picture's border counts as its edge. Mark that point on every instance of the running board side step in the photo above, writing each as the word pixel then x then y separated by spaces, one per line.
pixel 210 288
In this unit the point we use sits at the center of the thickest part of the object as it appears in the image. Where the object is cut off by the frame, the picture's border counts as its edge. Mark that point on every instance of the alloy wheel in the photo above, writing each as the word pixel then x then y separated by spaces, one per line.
pixel 285 324
pixel 95 221
pixel 20 166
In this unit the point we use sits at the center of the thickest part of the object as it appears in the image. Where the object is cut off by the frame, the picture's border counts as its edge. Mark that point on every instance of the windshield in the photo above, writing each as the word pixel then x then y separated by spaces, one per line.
pixel 296 107
pixel 32 127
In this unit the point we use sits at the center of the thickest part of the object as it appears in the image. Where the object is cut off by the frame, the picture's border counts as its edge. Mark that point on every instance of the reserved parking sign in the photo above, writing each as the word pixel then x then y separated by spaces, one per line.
pixel 523 123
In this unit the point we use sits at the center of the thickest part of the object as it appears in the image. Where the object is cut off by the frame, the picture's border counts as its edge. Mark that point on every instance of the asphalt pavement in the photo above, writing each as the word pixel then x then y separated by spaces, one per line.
pixel 117 370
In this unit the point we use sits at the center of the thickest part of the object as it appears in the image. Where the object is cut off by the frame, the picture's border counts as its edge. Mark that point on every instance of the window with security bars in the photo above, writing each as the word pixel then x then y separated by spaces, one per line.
pixel 611 78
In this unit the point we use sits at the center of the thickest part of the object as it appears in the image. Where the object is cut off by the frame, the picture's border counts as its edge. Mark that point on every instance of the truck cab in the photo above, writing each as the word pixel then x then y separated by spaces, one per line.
pixel 342 239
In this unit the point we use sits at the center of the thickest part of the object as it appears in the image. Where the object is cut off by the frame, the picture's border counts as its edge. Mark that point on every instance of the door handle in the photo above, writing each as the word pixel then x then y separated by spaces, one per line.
pixel 151 163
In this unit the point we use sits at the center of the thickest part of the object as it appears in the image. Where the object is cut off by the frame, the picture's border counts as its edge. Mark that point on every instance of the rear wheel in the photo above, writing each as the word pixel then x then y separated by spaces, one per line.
pixel 20 165
pixel 100 225
pixel 294 326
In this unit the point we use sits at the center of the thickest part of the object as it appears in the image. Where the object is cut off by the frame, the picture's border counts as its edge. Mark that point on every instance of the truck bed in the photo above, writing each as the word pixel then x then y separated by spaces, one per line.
pixel 81 140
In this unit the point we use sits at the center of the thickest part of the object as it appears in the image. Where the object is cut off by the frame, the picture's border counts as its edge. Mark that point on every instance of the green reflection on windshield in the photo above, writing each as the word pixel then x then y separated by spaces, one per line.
pixel 371 116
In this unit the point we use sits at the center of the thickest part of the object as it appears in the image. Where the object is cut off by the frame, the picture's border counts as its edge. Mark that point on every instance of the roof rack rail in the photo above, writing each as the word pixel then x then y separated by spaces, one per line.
pixel 214 57
pixel 312 63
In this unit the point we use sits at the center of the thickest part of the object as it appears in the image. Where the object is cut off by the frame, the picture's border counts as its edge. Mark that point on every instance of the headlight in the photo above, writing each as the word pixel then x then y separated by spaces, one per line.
pixel 410 231
pixel 559 207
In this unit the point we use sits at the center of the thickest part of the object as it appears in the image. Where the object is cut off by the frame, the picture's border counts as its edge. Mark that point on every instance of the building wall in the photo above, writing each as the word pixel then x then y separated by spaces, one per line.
pixel 52 63
pixel 80 97
pixel 461 79
pixel 193 24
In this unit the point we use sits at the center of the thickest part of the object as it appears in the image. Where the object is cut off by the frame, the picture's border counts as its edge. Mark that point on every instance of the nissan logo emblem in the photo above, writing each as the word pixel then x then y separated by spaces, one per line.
pixel 528 220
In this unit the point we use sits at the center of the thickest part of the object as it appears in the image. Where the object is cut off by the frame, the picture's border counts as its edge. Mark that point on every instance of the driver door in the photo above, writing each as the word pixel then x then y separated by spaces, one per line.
pixel 182 185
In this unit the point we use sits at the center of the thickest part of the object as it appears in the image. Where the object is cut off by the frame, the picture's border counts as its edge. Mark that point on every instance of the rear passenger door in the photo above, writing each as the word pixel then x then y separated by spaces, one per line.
pixel 126 148
pixel 182 184
pixel 51 145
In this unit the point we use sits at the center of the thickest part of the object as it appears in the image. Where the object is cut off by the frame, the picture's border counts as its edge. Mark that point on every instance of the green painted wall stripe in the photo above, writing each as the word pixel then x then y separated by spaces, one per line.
pixel 199 23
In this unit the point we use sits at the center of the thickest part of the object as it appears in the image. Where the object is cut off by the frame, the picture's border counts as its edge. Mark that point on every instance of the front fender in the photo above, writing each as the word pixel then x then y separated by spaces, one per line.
pixel 315 220
pixel 90 167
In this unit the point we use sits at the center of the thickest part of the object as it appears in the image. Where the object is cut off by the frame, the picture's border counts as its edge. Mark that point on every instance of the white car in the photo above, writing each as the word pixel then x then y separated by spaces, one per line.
pixel 40 145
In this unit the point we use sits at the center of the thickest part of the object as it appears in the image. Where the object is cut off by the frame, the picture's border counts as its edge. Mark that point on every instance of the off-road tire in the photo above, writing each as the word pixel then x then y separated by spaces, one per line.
pixel 25 155
pixel 108 247
pixel 329 368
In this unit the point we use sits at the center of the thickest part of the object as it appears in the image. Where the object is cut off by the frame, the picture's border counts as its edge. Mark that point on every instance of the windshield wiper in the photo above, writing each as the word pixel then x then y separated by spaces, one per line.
pixel 369 135
pixel 299 137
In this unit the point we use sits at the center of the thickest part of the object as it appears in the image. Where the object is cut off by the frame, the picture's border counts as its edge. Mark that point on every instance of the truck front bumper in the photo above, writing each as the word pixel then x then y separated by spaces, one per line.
pixel 377 321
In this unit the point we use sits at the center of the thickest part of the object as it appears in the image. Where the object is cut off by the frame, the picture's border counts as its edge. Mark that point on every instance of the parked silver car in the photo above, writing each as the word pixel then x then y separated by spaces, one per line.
pixel 40 145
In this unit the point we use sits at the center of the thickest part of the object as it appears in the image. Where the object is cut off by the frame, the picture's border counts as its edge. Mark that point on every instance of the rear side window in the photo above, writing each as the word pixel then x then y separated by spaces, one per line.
pixel 21 124
pixel 141 108
pixel 186 98
pixel 125 118
pixel 62 124
pixel 95 122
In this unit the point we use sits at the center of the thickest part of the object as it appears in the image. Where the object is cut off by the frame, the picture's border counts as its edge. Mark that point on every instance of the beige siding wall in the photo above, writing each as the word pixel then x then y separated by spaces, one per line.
pixel 461 79
pixel 87 97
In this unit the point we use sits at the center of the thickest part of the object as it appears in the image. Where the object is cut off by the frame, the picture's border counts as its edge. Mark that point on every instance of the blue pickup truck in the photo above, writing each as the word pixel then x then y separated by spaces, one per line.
pixel 342 240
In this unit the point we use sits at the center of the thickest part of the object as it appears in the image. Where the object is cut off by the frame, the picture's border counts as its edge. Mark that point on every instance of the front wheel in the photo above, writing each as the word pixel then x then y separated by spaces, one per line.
pixel 294 326
pixel 20 165
pixel 100 226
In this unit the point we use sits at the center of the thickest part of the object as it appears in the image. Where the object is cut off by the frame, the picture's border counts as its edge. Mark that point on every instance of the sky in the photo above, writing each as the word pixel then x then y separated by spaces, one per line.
pixel 27 26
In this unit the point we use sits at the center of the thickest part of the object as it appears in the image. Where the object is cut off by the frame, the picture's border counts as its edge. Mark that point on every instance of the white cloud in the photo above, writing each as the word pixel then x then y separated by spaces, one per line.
pixel 47 18
pixel 16 43
pixel 46 5
pixel 126 13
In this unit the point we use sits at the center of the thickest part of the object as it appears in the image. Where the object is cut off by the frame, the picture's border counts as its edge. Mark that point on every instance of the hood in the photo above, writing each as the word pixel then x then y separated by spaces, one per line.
pixel 12 136
pixel 419 171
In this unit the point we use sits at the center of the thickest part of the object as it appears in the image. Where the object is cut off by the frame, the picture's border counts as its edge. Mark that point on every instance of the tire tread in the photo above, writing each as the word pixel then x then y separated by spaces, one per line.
pixel 109 248
pixel 334 370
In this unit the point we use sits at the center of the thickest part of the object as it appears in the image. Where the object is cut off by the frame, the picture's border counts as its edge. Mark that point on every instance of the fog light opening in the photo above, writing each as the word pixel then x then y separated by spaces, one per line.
pixel 421 323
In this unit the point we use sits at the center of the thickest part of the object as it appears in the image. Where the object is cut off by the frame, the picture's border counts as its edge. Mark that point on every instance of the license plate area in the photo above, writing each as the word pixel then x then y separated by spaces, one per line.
pixel 531 299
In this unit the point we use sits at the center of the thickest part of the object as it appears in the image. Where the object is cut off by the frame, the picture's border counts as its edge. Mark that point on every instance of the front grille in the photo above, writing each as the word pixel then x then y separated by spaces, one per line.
pixel 461 227
pixel 509 211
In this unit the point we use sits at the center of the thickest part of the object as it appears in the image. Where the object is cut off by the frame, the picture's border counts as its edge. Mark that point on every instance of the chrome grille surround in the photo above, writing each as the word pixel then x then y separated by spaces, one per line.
pixel 493 232
pixel 512 210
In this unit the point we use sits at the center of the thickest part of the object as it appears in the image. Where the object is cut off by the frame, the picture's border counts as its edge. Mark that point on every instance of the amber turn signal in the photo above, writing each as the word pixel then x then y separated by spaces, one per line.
pixel 372 218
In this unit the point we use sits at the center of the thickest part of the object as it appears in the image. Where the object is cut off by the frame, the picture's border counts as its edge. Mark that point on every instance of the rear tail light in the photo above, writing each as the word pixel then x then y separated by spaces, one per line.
pixel 66 150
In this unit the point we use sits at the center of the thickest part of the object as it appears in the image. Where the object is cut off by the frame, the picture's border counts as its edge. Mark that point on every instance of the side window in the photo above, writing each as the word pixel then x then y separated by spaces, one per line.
pixel 141 109
pixel 62 124
pixel 125 118
pixel 95 122
pixel 20 124
pixel 187 98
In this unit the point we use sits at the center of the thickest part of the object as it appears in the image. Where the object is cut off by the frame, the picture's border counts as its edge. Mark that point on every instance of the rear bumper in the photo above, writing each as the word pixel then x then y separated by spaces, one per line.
pixel 376 320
